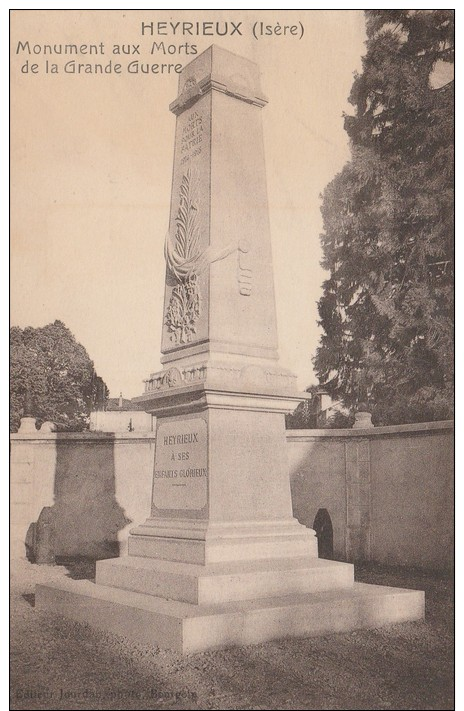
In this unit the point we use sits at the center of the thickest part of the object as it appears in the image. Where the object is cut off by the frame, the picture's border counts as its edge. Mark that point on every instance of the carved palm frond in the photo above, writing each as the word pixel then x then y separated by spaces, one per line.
pixel 186 261
pixel 182 252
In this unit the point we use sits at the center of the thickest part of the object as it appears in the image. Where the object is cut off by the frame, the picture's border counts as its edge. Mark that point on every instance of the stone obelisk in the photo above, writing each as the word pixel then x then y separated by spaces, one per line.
pixel 221 485
pixel 220 558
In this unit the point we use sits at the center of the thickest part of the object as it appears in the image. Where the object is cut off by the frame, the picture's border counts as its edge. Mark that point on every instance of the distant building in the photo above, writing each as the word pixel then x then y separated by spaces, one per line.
pixel 121 415
pixel 325 408
pixel 318 411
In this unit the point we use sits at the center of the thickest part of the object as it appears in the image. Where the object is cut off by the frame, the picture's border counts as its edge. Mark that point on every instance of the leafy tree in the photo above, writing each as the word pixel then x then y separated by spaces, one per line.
pixel 54 372
pixel 387 305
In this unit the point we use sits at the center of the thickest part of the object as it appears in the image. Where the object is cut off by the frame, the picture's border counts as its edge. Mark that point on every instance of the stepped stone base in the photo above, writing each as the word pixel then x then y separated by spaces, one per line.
pixel 185 627
pixel 223 582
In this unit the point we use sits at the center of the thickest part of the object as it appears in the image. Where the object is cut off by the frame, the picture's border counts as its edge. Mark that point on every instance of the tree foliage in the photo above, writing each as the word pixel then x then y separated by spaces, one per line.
pixel 54 372
pixel 308 415
pixel 387 305
pixel 304 417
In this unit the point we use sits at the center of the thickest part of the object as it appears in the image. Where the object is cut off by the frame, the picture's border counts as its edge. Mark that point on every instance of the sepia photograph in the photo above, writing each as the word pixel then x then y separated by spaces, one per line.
pixel 232 359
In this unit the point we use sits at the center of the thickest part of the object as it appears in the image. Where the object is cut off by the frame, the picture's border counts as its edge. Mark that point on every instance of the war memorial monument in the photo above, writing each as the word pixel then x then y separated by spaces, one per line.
pixel 220 559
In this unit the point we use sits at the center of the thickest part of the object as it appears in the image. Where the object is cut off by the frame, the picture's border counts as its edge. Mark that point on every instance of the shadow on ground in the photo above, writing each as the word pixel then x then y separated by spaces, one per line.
pixel 406 666
pixel 79 568
pixel 30 598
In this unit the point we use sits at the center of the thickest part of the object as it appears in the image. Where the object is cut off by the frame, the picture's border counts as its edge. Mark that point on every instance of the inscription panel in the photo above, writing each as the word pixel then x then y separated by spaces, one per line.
pixel 191 136
pixel 180 480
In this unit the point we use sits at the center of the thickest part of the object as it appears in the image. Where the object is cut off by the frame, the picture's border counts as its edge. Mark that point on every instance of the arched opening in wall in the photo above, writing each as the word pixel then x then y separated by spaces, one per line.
pixel 324 533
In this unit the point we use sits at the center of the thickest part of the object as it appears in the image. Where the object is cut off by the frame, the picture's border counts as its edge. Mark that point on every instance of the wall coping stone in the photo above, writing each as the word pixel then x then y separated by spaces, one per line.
pixel 372 432
pixel 294 435
pixel 88 436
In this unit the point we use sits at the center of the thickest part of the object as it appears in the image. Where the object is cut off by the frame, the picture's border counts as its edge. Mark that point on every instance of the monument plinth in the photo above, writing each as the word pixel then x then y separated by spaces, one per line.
pixel 220 558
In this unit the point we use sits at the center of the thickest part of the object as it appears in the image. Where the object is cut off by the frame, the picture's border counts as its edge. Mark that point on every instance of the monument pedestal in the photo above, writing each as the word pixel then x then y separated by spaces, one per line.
pixel 221 490
pixel 220 559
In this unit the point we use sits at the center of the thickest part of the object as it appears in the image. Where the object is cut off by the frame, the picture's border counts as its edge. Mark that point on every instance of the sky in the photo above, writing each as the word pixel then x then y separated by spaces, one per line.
pixel 91 165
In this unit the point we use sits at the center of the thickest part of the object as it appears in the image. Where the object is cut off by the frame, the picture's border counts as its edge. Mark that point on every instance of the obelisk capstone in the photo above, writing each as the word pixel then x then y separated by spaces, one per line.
pixel 220 559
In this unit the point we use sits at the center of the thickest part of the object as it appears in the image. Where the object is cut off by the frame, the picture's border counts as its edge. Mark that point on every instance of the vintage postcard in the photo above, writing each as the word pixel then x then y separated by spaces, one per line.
pixel 231 410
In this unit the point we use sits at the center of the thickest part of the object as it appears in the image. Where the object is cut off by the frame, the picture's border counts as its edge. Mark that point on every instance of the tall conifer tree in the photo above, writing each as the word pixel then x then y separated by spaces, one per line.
pixel 387 305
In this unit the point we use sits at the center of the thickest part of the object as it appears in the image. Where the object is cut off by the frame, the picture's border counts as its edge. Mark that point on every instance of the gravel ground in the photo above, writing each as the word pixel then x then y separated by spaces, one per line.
pixel 57 664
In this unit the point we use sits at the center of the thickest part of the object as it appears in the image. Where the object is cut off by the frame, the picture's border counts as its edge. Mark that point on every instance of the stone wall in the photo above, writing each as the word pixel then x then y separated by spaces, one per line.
pixel 98 486
pixel 121 421
pixel 388 491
